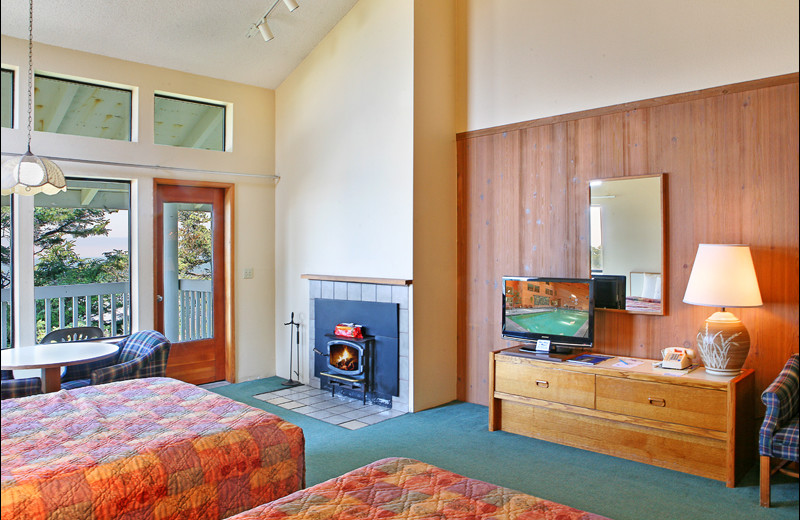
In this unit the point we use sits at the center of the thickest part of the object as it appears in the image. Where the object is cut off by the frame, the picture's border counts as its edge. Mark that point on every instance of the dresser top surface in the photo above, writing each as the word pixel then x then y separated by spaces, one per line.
pixel 630 367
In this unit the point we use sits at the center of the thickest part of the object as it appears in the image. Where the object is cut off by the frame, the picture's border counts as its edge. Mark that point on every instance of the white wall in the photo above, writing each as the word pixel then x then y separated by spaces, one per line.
pixel 344 153
pixel 248 166
pixel 527 59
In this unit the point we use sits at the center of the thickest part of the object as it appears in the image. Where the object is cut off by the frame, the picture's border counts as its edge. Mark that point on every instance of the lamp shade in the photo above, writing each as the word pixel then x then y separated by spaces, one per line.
pixel 723 276
pixel 29 175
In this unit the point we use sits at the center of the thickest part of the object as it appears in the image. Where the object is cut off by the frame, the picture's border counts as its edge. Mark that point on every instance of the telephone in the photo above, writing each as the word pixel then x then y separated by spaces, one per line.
pixel 677 358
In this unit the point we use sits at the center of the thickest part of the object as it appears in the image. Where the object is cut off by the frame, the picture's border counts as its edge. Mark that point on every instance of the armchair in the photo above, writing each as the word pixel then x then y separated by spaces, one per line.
pixel 778 436
pixel 18 387
pixel 142 354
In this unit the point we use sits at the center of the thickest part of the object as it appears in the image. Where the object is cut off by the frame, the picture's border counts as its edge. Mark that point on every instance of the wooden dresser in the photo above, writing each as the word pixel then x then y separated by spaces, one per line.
pixel 696 423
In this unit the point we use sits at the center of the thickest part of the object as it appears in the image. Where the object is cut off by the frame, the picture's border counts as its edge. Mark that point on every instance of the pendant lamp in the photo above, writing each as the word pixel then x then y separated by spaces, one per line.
pixel 29 174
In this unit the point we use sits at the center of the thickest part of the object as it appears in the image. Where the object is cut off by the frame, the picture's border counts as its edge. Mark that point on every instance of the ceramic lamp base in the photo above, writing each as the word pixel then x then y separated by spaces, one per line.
pixel 723 343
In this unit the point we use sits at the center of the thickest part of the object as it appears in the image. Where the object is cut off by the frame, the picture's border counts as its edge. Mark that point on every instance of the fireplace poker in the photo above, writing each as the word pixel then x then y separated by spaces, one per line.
pixel 290 381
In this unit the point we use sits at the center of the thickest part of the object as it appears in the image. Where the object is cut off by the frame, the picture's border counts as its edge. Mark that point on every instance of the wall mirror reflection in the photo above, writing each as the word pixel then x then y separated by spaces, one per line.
pixel 626 221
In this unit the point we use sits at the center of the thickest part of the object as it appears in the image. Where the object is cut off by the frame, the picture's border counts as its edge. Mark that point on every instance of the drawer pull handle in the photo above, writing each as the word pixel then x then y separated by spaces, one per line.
pixel 657 401
pixel 542 383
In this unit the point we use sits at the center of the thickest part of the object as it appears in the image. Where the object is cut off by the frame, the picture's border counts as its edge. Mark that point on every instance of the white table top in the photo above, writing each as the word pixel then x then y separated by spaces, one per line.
pixel 55 354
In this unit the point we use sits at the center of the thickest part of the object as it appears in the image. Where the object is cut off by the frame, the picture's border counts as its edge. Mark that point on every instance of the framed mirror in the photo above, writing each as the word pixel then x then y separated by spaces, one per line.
pixel 627 237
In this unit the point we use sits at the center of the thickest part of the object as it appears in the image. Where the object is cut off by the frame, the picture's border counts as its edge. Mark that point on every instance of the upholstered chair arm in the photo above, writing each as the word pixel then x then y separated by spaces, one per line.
pixel 781 399
pixel 85 370
pixel 20 387
pixel 118 372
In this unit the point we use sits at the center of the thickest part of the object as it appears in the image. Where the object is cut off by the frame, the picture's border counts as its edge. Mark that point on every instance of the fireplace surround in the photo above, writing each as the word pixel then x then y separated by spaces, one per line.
pixel 330 289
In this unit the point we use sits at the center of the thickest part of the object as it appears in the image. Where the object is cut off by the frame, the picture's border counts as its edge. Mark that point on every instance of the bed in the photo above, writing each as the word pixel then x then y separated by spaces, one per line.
pixel 406 489
pixel 144 448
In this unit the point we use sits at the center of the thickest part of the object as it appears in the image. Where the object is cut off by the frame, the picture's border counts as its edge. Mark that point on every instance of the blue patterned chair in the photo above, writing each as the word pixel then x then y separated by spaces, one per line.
pixel 19 387
pixel 778 436
pixel 142 354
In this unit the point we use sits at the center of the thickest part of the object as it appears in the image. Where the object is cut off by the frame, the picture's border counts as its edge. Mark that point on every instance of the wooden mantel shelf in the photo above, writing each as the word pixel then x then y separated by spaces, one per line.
pixel 355 279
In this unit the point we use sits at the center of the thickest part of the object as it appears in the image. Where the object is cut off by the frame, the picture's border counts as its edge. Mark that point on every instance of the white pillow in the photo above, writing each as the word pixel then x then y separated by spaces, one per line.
pixel 651 287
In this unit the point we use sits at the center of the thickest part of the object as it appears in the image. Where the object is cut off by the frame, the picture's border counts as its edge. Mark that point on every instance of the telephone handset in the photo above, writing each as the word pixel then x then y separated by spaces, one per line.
pixel 677 358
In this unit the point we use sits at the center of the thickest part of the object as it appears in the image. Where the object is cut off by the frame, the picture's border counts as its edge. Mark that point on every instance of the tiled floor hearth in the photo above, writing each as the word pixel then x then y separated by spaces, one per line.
pixel 342 411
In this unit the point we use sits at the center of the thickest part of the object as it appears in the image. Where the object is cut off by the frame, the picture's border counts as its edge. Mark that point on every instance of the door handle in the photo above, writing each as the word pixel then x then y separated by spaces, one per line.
pixel 159 298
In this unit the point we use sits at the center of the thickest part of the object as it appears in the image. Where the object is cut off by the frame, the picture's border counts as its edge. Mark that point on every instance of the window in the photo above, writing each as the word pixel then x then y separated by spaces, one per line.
pixel 65 106
pixel 7 109
pixel 188 123
pixel 5 272
pixel 80 260
pixel 596 240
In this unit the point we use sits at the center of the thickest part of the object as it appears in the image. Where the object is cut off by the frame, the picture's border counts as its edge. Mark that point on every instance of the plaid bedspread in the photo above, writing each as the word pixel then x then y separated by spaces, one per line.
pixel 406 489
pixel 144 448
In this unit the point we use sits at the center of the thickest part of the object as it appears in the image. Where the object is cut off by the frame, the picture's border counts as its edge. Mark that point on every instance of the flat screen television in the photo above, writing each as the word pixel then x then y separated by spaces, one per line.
pixel 560 310
pixel 609 291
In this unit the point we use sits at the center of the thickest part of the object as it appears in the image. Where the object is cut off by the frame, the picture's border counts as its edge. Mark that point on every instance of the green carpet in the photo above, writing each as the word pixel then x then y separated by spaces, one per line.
pixel 455 437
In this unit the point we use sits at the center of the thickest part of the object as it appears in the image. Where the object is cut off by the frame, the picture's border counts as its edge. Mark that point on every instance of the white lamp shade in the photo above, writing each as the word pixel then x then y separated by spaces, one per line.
pixel 29 175
pixel 291 5
pixel 723 276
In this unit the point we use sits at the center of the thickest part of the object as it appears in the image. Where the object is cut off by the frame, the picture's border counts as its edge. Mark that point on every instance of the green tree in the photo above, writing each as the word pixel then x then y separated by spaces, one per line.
pixel 194 239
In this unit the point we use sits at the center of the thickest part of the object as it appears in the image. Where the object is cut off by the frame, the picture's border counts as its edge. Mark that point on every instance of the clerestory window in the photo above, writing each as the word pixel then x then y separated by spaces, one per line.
pixel 65 106
pixel 7 106
pixel 189 123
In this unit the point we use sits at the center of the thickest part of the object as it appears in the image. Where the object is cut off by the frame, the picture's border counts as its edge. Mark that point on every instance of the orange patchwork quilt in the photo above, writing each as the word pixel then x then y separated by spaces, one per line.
pixel 406 489
pixel 145 448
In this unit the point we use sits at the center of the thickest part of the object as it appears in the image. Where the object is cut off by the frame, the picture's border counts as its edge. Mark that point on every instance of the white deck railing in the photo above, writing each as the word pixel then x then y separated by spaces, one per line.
pixel 195 307
pixel 108 306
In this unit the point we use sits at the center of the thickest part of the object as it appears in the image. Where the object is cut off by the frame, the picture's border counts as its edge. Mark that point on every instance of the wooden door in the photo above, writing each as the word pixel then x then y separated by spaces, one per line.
pixel 189 261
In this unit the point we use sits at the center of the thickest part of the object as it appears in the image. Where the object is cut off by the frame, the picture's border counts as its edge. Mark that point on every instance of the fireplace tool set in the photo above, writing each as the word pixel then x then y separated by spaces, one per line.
pixel 292 325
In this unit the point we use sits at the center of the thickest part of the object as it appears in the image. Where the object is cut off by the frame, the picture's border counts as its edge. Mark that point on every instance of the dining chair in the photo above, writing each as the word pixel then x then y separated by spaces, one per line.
pixel 72 334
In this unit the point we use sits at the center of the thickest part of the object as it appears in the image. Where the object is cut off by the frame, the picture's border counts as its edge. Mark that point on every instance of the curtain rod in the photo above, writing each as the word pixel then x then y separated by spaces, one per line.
pixel 152 166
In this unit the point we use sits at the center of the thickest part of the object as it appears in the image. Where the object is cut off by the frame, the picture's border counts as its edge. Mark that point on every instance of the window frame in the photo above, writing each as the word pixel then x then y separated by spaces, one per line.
pixel 23 326
pixel 14 95
pixel 131 91
pixel 198 101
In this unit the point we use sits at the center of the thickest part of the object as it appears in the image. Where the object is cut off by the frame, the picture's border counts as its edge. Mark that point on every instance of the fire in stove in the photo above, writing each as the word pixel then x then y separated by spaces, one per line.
pixel 344 357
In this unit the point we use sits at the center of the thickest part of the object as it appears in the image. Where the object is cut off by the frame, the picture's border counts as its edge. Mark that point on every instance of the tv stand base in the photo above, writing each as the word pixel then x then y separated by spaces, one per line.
pixel 696 423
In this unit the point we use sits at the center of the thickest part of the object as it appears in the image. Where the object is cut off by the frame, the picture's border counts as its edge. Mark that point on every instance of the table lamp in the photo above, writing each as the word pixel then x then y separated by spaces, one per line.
pixel 723 276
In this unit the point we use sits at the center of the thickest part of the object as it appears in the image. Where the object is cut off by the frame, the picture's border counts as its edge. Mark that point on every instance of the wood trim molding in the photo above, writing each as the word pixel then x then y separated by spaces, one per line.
pixel 636 105
pixel 356 279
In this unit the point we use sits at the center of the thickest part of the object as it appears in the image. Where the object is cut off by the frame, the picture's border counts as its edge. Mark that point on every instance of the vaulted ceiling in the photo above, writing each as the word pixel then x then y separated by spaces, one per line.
pixel 205 37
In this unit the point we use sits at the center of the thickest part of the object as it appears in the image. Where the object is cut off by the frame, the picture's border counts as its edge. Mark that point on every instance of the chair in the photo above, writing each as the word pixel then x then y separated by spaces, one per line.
pixel 142 354
pixel 18 387
pixel 778 436
pixel 72 334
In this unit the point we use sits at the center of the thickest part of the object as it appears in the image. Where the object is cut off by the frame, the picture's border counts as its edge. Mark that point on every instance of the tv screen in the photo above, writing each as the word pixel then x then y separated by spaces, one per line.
pixel 560 310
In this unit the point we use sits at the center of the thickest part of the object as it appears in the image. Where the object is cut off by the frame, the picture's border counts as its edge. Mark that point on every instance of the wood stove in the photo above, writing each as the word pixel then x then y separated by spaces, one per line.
pixel 348 363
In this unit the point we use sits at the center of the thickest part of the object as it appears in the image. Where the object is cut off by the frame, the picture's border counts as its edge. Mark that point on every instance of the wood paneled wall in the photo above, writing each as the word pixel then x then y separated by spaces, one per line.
pixel 730 155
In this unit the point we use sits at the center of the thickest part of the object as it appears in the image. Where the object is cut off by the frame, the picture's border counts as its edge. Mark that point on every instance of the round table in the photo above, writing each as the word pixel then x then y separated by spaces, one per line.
pixel 50 357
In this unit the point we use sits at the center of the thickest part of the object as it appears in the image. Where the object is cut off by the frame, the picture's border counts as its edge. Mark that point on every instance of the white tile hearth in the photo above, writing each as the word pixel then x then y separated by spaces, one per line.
pixel 339 410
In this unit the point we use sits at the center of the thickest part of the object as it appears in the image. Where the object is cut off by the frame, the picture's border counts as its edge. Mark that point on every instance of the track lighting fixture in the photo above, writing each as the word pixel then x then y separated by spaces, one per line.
pixel 263 28
pixel 262 25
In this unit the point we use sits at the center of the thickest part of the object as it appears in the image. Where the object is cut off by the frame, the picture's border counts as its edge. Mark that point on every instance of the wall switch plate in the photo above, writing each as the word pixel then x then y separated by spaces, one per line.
pixel 247 273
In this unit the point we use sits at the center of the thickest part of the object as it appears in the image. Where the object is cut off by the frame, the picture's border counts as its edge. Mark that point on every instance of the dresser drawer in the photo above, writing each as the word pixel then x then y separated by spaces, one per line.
pixel 549 384
pixel 690 406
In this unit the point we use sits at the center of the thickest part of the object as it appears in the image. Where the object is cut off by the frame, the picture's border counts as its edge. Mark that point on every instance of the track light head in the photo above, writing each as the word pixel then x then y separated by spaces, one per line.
pixel 291 5
pixel 263 28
